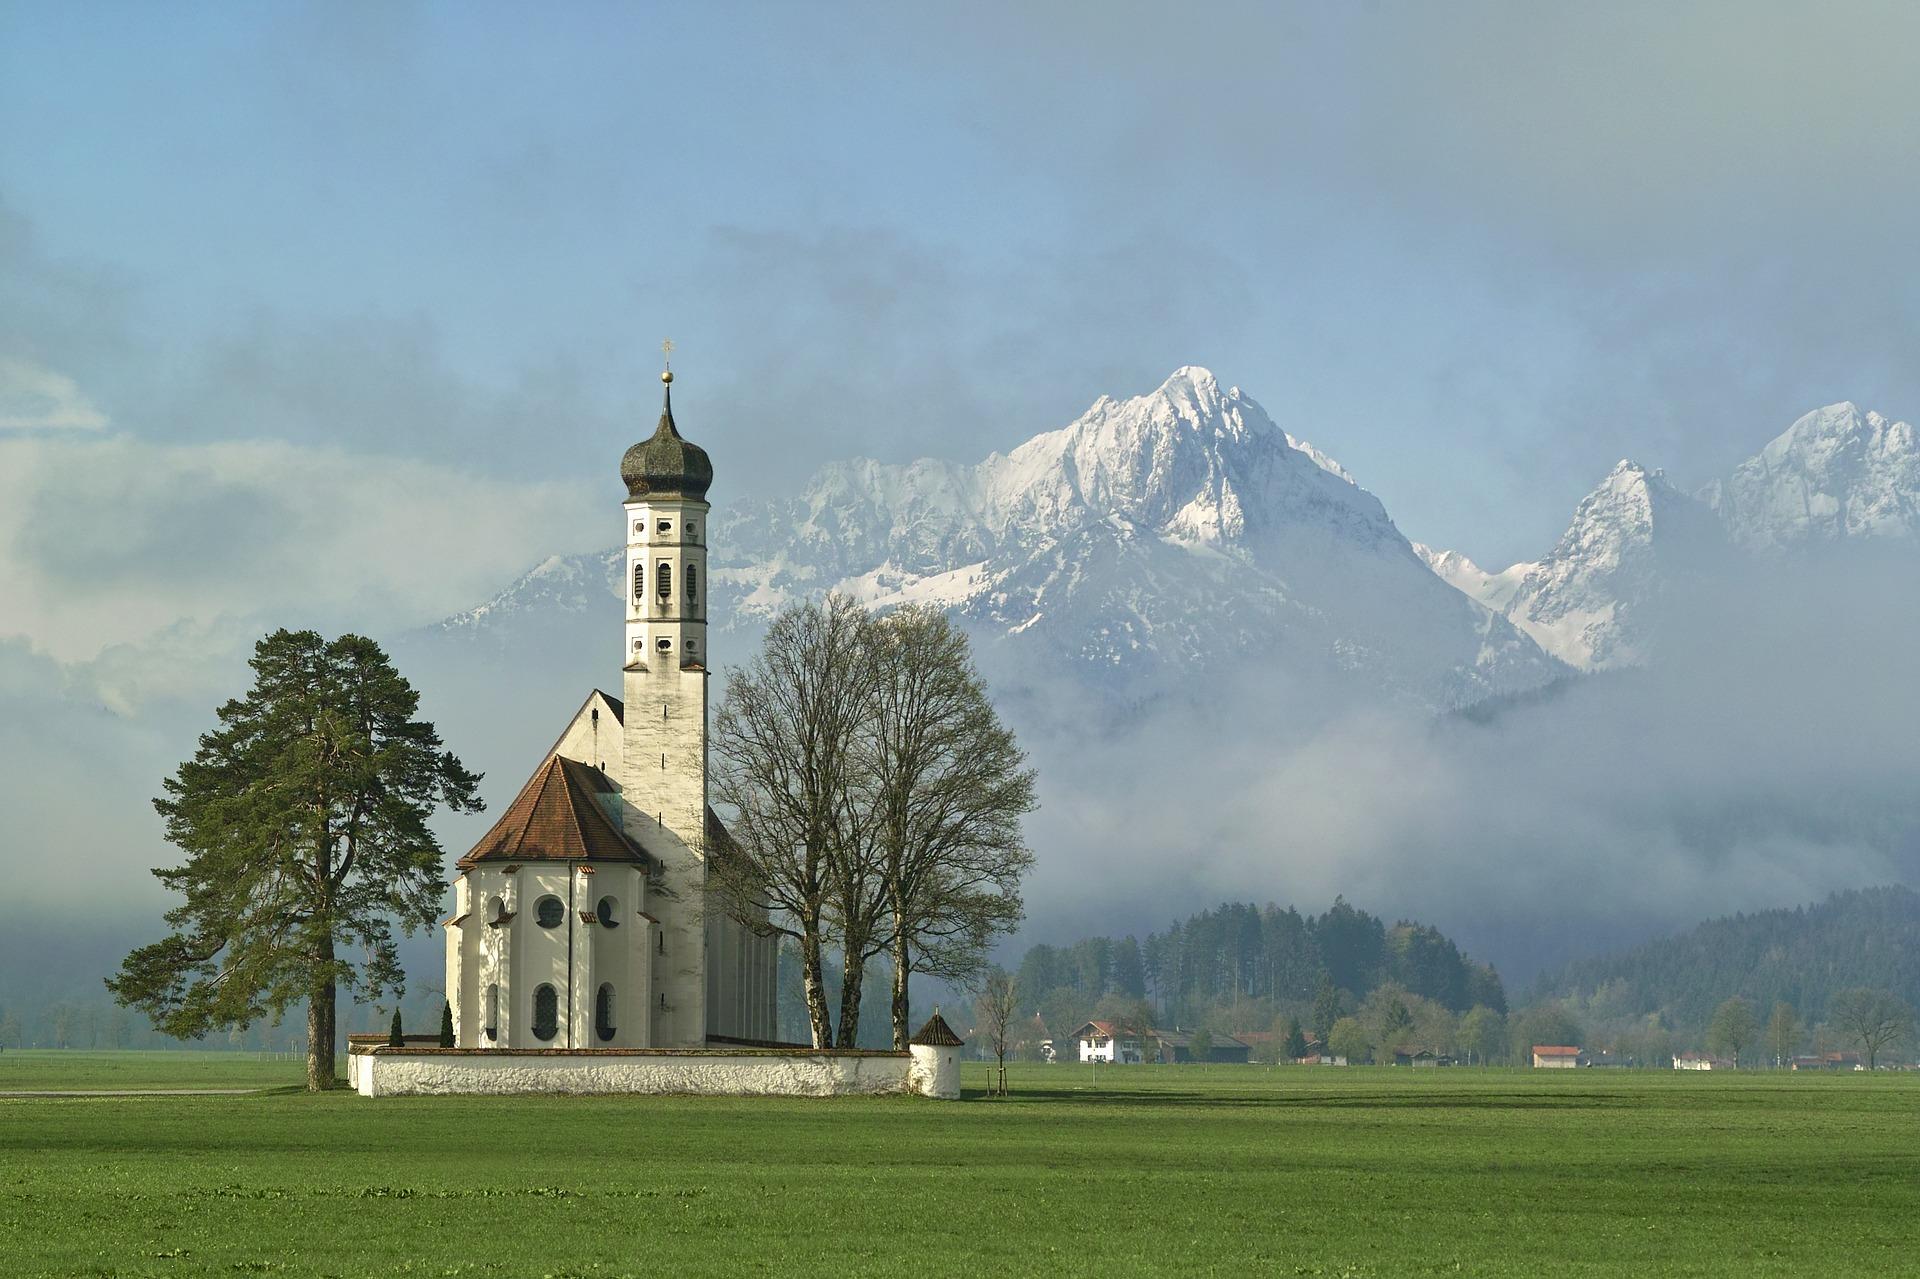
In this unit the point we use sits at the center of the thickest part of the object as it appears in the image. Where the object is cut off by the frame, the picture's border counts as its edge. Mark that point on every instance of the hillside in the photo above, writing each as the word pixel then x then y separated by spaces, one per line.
pixel 1870 937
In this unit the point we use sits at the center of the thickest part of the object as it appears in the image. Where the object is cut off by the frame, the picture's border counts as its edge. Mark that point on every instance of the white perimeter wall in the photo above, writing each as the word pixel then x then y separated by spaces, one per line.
pixel 393 1073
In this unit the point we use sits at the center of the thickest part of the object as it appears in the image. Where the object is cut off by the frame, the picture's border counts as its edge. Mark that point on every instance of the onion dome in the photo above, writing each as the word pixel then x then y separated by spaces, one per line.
pixel 666 465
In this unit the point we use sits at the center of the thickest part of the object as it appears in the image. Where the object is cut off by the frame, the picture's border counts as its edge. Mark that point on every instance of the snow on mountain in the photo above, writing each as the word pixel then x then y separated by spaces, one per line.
pixel 1595 600
pixel 1837 474
pixel 1146 543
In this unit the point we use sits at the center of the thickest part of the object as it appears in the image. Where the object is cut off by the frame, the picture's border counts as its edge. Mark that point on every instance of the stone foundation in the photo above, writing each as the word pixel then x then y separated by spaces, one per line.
pixel 381 1071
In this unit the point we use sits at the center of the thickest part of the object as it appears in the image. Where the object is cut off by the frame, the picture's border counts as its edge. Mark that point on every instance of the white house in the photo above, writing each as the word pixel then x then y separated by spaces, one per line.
pixel 583 919
pixel 1108 1041
pixel 1555 1056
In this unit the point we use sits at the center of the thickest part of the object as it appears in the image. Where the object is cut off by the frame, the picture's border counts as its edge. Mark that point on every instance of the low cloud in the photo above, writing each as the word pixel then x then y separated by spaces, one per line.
pixel 34 398
pixel 108 541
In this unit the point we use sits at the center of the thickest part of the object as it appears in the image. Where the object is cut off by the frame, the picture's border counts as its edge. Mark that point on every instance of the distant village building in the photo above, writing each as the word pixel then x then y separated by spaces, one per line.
pixel 1555 1057
pixel 1109 1041
pixel 1829 1061
pixel 1691 1060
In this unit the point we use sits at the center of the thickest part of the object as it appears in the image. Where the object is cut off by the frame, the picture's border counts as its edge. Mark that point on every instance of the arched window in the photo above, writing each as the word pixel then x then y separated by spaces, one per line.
pixel 495 909
pixel 663 580
pixel 603 1013
pixel 609 912
pixel 693 585
pixel 493 1010
pixel 546 1012
pixel 639 581
pixel 550 911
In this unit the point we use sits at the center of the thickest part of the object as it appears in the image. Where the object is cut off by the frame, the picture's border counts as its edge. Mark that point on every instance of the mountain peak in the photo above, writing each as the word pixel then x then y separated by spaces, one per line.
pixel 1836 474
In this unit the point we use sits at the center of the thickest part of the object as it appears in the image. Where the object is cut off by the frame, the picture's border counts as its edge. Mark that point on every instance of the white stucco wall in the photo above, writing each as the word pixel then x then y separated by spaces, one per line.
pixel 935 1071
pixel 391 1073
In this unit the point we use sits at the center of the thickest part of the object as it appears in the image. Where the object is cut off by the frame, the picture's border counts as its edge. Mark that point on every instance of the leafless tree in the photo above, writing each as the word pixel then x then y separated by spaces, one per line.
pixel 948 788
pixel 784 745
pixel 995 1009
pixel 1874 1019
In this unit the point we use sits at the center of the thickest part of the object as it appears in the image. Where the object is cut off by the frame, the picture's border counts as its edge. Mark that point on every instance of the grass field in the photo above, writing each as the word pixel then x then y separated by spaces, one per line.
pixel 1207 1170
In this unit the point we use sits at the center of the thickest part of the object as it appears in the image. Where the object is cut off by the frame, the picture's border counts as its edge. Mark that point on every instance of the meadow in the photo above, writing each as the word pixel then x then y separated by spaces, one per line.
pixel 1194 1170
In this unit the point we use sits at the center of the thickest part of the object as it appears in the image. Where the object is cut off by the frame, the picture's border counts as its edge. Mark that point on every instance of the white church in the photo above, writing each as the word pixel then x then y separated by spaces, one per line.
pixel 583 919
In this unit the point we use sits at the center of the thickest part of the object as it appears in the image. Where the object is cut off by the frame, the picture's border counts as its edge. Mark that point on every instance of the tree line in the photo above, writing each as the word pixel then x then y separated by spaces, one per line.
pixel 1246 967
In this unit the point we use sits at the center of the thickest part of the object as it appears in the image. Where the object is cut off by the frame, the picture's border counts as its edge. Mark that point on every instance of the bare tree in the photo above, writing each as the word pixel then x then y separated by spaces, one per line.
pixel 784 745
pixel 1874 1019
pixel 948 789
pixel 995 1008
pixel 1783 1032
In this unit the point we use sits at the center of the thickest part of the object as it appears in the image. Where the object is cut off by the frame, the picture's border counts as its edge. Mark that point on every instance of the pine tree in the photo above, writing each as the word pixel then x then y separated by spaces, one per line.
pixel 304 820
pixel 1295 1046
pixel 396 1038
pixel 446 1025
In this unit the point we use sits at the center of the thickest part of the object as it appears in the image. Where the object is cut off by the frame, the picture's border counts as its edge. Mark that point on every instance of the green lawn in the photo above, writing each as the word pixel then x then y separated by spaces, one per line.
pixel 1210 1170
pixel 47 1068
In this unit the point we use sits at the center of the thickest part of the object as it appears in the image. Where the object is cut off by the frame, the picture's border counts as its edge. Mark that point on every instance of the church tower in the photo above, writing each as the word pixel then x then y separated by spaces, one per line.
pixel 665 721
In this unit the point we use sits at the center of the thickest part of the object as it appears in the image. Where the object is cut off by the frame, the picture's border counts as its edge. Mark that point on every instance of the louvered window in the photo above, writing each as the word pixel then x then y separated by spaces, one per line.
pixel 693 585
pixel 663 580
pixel 639 582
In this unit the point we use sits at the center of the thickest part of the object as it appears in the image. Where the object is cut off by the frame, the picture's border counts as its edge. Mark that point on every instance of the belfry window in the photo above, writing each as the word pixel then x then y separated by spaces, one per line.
pixel 693 585
pixel 663 580
pixel 665 526
pixel 609 912
pixel 549 912
pixel 546 1012
pixel 603 1012
pixel 639 581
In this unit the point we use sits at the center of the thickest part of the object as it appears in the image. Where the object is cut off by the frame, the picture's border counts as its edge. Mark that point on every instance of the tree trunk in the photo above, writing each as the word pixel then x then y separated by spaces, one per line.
pixel 900 1003
pixel 320 1028
pixel 853 971
pixel 810 981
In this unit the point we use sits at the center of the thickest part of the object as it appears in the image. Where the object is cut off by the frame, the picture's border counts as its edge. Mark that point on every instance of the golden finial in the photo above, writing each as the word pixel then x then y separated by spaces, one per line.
pixel 666 350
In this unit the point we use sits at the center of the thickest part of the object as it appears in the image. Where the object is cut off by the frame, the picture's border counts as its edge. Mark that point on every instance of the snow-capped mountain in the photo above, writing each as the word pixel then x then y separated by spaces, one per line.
pixel 1594 600
pixel 1150 541
pixel 1837 474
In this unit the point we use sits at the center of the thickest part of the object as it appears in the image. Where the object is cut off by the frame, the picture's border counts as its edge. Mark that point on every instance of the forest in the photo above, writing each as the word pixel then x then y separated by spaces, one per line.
pixel 1242 967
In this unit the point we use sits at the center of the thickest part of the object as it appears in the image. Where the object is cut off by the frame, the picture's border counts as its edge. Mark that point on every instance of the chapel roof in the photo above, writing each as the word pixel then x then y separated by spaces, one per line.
pixel 937 1034
pixel 558 816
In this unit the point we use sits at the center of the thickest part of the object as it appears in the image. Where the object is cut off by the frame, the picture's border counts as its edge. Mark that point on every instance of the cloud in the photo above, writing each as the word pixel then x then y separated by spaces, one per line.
pixel 1767 760
pixel 34 397
pixel 115 540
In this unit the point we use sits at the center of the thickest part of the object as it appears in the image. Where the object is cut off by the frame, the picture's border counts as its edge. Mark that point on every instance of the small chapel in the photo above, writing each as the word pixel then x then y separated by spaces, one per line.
pixel 583 919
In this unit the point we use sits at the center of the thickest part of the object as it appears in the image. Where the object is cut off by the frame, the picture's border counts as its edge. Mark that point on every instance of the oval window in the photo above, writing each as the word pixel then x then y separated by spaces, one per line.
pixel 693 584
pixel 609 912
pixel 549 912
pixel 546 1012
pixel 603 1013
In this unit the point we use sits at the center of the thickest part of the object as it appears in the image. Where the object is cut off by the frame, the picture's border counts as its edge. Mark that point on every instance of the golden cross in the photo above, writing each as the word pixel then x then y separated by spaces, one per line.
pixel 666 350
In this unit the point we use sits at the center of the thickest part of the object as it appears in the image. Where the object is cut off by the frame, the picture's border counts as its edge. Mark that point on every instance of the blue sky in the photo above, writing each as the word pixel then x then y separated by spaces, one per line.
pixel 1476 252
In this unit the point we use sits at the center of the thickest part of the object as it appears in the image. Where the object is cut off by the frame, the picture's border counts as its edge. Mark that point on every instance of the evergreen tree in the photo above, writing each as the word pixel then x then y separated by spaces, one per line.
pixel 396 1038
pixel 1294 1046
pixel 446 1025
pixel 1326 1010
pixel 304 820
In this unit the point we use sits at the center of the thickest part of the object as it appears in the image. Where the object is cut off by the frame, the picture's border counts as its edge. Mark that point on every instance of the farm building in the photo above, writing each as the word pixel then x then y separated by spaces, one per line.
pixel 1109 1041
pixel 1555 1056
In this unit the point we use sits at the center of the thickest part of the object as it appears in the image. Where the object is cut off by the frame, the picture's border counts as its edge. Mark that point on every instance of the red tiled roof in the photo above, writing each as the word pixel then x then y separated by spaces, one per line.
pixel 1554 1050
pixel 558 817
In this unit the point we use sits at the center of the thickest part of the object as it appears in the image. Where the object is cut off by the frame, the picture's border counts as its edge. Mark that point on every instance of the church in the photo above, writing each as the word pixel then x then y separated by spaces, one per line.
pixel 583 919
